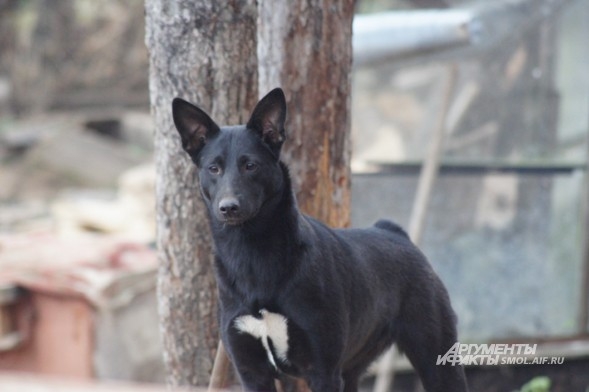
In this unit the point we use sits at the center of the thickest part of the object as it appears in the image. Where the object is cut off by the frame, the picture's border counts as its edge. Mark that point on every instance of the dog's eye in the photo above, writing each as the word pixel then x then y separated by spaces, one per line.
pixel 250 166
pixel 214 169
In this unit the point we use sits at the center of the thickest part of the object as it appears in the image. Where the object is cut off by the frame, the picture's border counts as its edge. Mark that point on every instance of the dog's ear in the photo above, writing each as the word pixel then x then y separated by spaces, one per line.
pixel 194 125
pixel 268 118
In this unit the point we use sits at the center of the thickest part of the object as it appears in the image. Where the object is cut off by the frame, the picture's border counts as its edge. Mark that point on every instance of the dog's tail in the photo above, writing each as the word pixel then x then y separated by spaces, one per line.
pixel 391 226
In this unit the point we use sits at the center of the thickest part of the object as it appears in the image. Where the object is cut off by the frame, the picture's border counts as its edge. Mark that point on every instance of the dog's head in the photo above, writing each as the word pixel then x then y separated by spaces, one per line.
pixel 238 165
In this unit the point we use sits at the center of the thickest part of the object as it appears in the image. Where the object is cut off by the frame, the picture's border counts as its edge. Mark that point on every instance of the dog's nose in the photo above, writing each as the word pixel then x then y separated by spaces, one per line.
pixel 229 206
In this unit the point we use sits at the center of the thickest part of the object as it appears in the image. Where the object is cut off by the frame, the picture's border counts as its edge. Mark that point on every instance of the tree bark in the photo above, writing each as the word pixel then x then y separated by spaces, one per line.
pixel 205 52
pixel 305 46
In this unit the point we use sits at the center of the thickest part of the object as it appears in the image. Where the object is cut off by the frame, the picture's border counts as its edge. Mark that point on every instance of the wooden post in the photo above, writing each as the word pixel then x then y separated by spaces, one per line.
pixel 584 297
pixel 220 374
pixel 429 172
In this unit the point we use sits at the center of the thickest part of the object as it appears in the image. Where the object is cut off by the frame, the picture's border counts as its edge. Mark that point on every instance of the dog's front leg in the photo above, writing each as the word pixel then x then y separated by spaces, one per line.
pixel 326 382
pixel 255 377
pixel 325 373
pixel 254 383
pixel 325 334
pixel 250 360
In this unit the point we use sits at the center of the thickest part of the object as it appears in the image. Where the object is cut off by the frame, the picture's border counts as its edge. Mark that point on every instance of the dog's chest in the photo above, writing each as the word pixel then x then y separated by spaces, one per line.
pixel 271 330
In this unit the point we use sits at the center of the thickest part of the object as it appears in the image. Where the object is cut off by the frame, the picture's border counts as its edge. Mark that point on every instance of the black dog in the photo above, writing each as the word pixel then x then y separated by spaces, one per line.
pixel 297 297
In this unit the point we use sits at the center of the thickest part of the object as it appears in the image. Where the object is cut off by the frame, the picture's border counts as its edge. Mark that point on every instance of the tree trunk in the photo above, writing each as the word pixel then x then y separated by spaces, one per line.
pixel 205 52
pixel 305 46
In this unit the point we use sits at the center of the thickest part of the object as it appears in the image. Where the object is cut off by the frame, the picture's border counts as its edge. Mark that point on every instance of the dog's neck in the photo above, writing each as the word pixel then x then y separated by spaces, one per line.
pixel 259 255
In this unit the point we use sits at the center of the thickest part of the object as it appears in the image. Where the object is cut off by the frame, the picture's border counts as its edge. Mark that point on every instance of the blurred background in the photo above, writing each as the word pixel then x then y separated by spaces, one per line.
pixel 506 82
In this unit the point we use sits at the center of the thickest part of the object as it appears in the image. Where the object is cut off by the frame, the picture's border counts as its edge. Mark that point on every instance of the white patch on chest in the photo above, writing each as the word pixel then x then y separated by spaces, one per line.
pixel 272 326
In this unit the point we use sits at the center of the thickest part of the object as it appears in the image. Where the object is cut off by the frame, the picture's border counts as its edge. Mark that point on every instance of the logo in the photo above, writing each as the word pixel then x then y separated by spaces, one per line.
pixel 495 354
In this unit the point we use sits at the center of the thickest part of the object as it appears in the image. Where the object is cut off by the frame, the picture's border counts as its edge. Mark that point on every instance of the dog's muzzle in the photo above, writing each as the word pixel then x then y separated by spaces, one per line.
pixel 229 211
